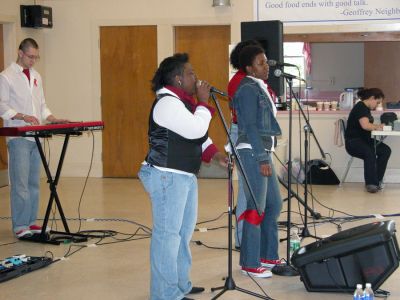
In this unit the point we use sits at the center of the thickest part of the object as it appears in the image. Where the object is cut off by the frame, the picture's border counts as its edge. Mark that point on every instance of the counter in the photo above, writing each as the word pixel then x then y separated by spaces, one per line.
pixel 323 124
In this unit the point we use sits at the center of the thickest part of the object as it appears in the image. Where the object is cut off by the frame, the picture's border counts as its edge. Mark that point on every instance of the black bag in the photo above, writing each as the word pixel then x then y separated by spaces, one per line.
pixel 388 118
pixel 319 172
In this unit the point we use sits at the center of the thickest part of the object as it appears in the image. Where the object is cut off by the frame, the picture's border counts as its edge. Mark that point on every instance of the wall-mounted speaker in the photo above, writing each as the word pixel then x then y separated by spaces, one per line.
pixel 367 253
pixel 36 16
pixel 270 36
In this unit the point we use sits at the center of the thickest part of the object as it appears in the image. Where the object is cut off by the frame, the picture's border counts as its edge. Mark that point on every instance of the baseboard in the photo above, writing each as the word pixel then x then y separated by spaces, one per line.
pixel 3 178
pixel 356 174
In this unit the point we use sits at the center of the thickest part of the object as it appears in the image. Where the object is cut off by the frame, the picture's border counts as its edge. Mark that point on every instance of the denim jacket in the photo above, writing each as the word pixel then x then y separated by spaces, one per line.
pixel 256 120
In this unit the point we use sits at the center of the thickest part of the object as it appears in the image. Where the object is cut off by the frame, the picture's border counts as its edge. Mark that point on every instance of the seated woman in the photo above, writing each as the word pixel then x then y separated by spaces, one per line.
pixel 257 128
pixel 359 142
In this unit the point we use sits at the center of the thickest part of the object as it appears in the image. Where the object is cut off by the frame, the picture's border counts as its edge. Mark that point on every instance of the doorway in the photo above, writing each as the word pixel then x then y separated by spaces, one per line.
pixel 128 59
pixel 207 47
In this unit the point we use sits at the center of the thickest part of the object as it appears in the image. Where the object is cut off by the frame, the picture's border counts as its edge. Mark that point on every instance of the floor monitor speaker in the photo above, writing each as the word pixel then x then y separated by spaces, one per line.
pixel 368 253
pixel 270 35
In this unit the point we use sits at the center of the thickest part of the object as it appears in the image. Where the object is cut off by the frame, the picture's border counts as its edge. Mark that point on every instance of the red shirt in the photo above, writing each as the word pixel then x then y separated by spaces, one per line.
pixel 233 86
pixel 27 73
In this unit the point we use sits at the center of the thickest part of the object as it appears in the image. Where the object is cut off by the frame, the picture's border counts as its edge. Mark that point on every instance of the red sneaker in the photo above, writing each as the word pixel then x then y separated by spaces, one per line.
pixel 37 229
pixel 23 233
pixel 259 272
pixel 269 263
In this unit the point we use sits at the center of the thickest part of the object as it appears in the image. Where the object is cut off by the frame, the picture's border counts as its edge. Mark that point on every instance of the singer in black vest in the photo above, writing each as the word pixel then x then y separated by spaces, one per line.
pixel 178 142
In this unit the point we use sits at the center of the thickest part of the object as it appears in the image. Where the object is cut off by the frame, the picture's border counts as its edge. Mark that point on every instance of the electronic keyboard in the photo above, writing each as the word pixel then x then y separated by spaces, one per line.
pixel 50 129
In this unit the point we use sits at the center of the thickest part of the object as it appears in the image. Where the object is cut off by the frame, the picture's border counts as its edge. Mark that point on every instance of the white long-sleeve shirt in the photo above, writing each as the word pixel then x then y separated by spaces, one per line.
pixel 171 113
pixel 20 95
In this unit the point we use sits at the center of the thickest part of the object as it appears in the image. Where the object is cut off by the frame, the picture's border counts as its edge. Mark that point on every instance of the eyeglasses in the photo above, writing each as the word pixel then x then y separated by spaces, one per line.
pixel 32 57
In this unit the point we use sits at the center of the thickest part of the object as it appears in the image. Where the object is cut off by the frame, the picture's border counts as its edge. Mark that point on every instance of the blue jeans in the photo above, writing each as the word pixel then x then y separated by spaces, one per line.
pixel 24 175
pixel 174 208
pixel 260 240
pixel 241 197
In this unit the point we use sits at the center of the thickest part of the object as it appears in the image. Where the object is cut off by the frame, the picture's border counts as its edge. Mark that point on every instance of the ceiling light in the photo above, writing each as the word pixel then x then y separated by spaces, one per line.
pixel 221 3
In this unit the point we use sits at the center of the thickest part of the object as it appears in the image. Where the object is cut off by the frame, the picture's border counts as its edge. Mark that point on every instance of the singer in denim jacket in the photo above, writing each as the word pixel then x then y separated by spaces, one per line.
pixel 258 128
pixel 257 119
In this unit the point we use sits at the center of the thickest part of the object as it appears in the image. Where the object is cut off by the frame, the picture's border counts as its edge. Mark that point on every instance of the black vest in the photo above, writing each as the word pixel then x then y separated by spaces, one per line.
pixel 170 150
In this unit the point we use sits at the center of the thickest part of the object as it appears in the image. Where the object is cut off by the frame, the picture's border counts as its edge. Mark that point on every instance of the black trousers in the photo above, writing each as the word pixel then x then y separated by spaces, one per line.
pixel 374 164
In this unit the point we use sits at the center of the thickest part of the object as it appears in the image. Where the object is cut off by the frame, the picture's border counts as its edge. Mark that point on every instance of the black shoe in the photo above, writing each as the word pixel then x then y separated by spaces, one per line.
pixel 237 247
pixel 381 185
pixel 372 188
pixel 186 298
pixel 196 290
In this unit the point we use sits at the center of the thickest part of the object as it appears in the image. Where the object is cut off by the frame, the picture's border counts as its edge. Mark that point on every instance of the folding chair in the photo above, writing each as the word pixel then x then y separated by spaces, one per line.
pixel 342 128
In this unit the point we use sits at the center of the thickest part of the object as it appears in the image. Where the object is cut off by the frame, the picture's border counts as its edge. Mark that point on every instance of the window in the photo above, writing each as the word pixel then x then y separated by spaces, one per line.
pixel 294 55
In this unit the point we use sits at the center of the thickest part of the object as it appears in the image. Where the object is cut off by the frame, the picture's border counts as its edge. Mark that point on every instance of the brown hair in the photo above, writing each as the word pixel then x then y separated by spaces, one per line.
pixel 372 92
pixel 28 43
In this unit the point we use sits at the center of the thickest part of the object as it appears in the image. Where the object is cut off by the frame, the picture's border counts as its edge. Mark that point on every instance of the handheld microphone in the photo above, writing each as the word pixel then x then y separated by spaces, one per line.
pixel 280 73
pixel 217 91
pixel 274 63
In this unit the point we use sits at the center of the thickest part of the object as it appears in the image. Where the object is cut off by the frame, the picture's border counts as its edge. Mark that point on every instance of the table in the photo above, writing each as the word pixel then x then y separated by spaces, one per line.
pixel 382 134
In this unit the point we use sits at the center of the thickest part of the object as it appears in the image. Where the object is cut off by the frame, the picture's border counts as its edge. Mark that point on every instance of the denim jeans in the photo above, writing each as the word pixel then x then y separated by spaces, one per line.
pixel 174 209
pixel 261 240
pixel 24 176
pixel 241 197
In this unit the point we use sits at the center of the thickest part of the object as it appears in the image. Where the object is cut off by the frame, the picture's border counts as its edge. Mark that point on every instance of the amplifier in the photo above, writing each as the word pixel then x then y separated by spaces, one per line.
pixel 368 253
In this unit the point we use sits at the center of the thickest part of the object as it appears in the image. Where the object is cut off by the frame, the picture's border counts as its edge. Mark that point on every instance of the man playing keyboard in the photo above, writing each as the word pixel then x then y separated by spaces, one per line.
pixel 22 103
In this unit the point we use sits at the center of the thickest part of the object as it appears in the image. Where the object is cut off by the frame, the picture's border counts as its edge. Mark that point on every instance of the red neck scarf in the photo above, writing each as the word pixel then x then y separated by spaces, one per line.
pixel 185 97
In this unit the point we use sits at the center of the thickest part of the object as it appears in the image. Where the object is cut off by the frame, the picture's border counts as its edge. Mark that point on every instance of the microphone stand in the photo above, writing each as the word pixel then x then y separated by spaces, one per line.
pixel 230 284
pixel 308 124
pixel 290 77
pixel 305 232
pixel 314 214
pixel 307 131
pixel 286 269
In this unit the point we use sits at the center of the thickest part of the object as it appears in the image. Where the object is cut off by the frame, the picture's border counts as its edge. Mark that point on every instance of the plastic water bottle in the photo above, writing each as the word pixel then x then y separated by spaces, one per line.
pixel 358 293
pixel 294 242
pixel 368 292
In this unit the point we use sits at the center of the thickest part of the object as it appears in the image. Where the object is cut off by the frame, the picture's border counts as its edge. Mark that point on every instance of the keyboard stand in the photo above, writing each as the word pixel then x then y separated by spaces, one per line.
pixel 51 237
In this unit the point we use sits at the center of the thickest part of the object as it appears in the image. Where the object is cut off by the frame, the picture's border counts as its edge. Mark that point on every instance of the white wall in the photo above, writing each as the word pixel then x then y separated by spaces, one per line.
pixel 13 33
pixel 70 53
pixel 72 62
